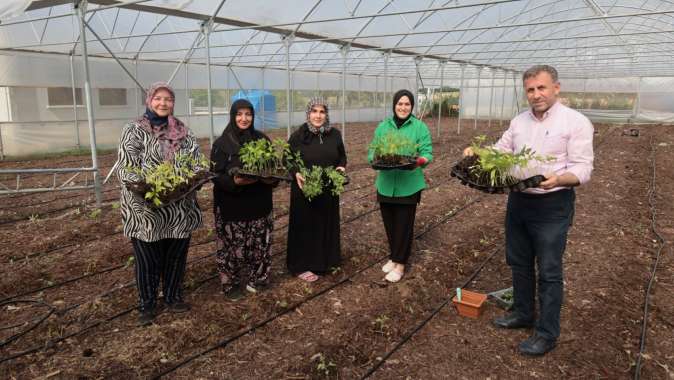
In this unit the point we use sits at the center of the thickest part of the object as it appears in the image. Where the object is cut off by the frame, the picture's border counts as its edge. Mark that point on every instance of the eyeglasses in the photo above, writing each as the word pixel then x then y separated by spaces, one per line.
pixel 159 99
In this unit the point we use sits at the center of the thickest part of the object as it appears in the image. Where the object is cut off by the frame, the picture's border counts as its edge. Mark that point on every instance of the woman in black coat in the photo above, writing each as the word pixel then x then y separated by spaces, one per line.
pixel 242 208
pixel 313 227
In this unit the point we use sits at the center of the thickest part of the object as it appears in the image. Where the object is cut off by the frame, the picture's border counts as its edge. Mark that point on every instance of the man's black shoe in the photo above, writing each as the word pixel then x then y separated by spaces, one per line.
pixel 146 317
pixel 179 307
pixel 537 345
pixel 512 321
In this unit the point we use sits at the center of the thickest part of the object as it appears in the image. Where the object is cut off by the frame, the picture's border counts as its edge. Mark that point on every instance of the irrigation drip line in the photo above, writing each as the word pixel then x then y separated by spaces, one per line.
pixel 226 341
pixel 54 342
pixel 661 244
pixel 126 311
pixel 39 321
pixel 425 321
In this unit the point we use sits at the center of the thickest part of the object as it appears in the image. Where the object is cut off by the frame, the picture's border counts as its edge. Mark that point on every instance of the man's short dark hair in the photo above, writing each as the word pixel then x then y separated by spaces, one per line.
pixel 535 70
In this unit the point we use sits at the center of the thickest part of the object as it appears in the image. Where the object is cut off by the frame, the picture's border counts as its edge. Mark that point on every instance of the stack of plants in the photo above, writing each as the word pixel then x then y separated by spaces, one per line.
pixel 393 151
pixel 491 170
pixel 171 181
pixel 318 179
pixel 268 159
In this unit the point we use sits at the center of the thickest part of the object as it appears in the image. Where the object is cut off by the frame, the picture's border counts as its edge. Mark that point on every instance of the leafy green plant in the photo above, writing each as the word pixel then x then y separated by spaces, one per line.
pixel 391 147
pixel 169 177
pixel 336 179
pixel 265 158
pixel 317 179
pixel 95 213
pixel 497 166
pixel 380 323
pixel 324 366
pixel 313 182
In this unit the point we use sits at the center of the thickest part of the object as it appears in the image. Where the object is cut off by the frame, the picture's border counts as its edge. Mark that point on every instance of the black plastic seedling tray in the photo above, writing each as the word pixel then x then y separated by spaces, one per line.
pixel 518 186
pixel 409 164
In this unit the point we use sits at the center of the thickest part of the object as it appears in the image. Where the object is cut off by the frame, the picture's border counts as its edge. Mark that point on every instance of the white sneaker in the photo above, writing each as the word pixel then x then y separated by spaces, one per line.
pixel 393 276
pixel 388 266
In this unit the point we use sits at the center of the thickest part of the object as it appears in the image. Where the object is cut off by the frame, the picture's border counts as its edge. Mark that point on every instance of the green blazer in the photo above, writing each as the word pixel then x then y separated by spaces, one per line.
pixel 401 183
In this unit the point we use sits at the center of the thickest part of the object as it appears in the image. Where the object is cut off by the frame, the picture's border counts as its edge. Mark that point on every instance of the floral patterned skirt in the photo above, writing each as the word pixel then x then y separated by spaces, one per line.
pixel 243 254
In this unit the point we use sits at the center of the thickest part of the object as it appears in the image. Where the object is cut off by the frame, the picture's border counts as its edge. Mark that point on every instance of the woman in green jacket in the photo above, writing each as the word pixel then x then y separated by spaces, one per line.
pixel 399 191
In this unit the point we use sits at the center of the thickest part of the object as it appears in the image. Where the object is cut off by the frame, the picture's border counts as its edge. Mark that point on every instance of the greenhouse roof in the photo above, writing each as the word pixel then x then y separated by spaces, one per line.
pixel 582 38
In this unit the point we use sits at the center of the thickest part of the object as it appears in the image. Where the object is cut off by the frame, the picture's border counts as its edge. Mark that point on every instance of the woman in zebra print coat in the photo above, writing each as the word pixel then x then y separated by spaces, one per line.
pixel 160 237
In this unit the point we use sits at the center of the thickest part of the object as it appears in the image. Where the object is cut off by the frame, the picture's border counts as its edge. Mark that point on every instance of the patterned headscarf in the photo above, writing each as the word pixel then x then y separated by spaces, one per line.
pixel 326 126
pixel 169 134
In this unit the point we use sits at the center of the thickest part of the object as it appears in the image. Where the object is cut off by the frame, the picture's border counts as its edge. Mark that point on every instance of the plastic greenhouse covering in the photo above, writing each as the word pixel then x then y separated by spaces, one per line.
pixel 613 56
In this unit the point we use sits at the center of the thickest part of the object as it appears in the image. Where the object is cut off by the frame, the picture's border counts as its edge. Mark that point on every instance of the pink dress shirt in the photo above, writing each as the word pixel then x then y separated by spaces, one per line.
pixel 563 133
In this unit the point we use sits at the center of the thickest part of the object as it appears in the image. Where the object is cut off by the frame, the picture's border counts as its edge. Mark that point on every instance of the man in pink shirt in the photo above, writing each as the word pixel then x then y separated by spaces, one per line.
pixel 538 219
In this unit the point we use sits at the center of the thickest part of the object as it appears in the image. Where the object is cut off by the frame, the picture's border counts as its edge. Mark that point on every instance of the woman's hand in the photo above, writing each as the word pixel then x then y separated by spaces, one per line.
pixel 341 169
pixel 421 161
pixel 468 152
pixel 242 181
pixel 300 180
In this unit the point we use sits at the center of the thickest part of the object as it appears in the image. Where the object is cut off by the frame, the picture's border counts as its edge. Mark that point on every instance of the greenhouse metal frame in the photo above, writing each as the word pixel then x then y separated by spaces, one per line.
pixel 475 46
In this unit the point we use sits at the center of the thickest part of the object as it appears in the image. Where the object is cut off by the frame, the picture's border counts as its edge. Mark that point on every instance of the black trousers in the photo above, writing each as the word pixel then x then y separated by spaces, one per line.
pixel 536 230
pixel 399 225
pixel 164 259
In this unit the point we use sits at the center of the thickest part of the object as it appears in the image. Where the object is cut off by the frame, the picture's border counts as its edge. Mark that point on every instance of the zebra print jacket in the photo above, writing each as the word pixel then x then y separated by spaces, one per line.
pixel 139 148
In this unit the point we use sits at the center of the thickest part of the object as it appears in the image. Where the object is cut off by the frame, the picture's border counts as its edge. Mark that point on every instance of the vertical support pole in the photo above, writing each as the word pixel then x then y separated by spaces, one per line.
pixel 442 84
pixel 458 122
pixel 505 77
pixel 477 97
pixel 287 41
pixel 81 7
pixel 417 61
pixel 206 30
pixel 491 98
pixel 386 57
pixel 137 90
pixel 360 102
pixel 637 101
pixel 72 84
pixel 2 149
pixel 262 110
pixel 582 103
pixel 188 108
pixel 345 53
pixel 516 96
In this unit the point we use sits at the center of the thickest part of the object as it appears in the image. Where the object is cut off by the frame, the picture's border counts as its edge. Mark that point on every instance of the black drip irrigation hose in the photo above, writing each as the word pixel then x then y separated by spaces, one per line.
pixel 661 244
pixel 223 343
pixel 52 343
pixel 425 321
pixel 32 327
pixel 120 266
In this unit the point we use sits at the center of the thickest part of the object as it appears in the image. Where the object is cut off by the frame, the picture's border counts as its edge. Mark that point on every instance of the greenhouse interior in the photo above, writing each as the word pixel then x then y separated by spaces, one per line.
pixel 74 72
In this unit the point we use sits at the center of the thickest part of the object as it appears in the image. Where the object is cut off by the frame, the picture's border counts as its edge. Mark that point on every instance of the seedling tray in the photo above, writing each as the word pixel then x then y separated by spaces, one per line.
pixel 409 163
pixel 264 176
pixel 180 194
pixel 501 299
pixel 517 186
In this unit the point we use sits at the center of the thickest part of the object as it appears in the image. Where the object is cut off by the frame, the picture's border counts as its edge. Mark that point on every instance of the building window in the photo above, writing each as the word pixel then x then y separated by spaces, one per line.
pixel 63 96
pixel 112 96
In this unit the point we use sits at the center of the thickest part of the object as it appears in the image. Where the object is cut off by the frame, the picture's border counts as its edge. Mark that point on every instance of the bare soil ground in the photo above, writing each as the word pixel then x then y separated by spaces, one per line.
pixel 62 253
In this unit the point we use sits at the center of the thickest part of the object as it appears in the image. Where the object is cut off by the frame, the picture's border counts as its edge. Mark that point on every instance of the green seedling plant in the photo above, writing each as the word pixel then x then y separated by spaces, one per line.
pixel 497 166
pixel 317 179
pixel 336 179
pixel 380 323
pixel 169 176
pixel 313 182
pixel 324 366
pixel 391 147
pixel 263 157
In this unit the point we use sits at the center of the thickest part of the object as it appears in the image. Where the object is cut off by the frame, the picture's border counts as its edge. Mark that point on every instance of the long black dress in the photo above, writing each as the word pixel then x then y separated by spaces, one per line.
pixel 313 228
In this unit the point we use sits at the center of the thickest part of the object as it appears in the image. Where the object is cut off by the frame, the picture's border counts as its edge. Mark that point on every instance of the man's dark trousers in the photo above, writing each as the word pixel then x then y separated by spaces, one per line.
pixel 536 230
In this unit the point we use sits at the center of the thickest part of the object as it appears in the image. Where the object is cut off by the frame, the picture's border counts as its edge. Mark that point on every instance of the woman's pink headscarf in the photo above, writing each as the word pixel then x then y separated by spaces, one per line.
pixel 169 134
